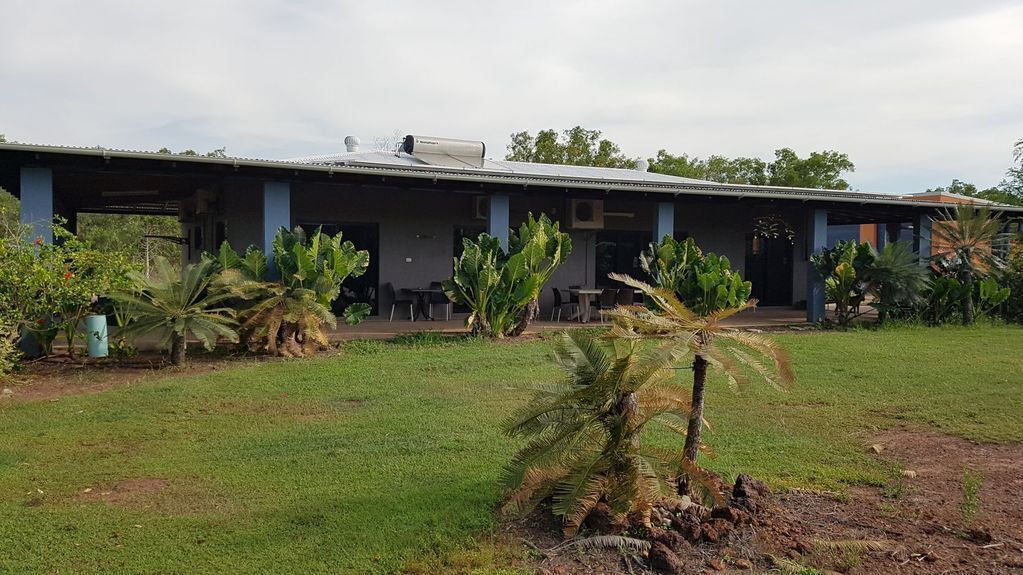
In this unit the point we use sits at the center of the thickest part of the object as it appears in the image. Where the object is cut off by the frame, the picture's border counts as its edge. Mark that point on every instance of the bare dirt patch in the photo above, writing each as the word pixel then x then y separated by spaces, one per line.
pixel 932 518
pixel 126 492
pixel 58 376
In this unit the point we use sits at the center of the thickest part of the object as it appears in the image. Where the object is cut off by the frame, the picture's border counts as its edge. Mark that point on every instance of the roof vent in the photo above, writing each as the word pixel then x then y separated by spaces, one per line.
pixel 445 151
pixel 352 143
pixel 642 165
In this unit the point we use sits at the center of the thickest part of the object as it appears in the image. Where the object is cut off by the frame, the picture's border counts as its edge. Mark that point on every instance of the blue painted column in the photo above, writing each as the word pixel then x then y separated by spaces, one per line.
pixel 664 223
pixel 37 201
pixel 817 240
pixel 498 223
pixel 276 214
pixel 922 238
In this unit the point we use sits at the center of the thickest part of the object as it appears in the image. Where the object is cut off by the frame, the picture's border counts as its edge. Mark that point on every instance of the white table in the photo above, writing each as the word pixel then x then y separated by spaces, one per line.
pixel 586 296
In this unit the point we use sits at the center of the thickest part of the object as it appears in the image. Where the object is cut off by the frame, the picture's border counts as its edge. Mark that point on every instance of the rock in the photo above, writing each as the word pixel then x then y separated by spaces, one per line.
pixel 733 515
pixel 876 449
pixel 716 564
pixel 7 392
pixel 710 535
pixel 601 520
pixel 674 540
pixel 744 564
pixel 721 526
pixel 909 474
pixel 664 559
pixel 750 494
pixel 691 532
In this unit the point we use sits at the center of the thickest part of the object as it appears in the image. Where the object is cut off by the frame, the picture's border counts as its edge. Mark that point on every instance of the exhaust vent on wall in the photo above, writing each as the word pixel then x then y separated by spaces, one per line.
pixel 445 152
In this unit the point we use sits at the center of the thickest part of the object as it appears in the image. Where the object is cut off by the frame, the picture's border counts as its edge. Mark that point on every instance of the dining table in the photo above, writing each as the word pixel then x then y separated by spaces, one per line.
pixel 586 296
pixel 423 300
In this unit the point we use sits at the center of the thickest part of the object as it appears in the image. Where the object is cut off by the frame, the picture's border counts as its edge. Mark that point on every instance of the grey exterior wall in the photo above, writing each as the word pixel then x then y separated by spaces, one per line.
pixel 417 227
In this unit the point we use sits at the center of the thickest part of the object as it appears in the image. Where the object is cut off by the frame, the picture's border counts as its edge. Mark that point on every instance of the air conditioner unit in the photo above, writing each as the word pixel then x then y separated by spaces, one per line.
pixel 480 207
pixel 586 214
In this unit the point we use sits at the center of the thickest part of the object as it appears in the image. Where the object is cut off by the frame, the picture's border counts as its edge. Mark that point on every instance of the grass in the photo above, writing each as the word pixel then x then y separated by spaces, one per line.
pixel 386 458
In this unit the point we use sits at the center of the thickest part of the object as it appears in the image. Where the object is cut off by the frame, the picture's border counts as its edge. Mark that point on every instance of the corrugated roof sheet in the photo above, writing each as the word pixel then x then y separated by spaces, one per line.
pixel 505 167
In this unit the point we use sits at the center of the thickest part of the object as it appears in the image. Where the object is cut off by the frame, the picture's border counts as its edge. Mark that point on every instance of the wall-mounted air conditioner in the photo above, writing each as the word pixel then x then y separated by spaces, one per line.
pixel 586 214
pixel 480 207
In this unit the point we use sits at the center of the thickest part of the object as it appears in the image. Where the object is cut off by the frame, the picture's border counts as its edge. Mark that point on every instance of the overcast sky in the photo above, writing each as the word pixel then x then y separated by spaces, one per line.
pixel 916 92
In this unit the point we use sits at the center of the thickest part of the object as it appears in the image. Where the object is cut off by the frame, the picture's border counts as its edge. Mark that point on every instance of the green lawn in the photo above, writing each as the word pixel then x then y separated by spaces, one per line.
pixel 390 453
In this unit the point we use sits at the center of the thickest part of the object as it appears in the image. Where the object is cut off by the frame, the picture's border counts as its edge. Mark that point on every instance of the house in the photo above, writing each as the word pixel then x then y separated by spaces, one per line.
pixel 411 208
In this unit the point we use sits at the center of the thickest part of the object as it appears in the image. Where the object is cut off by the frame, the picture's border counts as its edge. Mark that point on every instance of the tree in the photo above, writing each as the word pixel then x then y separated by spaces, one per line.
pixel 735 354
pixel 218 153
pixel 576 147
pixel 818 170
pixel 179 305
pixel 697 293
pixel 965 240
pixel 144 238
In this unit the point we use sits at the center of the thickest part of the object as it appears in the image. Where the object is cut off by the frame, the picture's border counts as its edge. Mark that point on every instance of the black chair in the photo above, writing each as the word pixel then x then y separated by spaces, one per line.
pixel 559 304
pixel 573 297
pixel 395 302
pixel 440 299
pixel 626 296
pixel 605 301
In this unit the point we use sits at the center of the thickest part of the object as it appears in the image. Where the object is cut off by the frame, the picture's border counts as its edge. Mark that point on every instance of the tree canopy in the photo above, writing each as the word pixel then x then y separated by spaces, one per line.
pixel 818 170
pixel 575 147
pixel 1008 191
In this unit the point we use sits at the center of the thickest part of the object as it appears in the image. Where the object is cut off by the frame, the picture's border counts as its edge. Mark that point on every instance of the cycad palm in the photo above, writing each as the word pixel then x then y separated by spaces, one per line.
pixel 180 305
pixel 966 237
pixel 584 433
pixel 735 354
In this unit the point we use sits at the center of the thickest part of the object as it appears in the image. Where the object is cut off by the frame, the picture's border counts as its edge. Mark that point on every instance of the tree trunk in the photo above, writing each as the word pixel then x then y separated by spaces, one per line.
pixel 692 447
pixel 967 280
pixel 178 348
pixel 528 315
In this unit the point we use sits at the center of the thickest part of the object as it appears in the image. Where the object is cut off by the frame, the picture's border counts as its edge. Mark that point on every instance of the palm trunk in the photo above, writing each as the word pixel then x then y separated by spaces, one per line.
pixel 692 447
pixel 967 280
pixel 178 348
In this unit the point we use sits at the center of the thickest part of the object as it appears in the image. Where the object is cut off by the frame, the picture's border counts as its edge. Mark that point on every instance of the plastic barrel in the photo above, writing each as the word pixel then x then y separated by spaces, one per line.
pixel 96 335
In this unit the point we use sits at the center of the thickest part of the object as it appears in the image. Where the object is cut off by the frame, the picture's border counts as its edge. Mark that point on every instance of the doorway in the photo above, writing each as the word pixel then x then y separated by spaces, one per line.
pixel 618 252
pixel 769 268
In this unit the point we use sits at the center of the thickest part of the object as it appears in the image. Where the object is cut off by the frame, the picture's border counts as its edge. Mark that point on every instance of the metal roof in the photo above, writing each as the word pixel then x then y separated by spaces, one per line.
pixel 505 172
pixel 504 167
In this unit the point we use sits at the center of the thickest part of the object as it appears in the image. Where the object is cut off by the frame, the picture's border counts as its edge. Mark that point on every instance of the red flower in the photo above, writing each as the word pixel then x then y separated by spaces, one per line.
pixel 68 275
pixel 39 240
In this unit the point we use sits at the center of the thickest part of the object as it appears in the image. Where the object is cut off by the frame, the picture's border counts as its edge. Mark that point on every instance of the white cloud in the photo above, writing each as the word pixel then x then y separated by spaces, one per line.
pixel 917 92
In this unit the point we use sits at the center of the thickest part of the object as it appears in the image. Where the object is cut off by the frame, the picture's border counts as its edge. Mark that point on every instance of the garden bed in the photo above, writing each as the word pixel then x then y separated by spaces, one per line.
pixel 926 520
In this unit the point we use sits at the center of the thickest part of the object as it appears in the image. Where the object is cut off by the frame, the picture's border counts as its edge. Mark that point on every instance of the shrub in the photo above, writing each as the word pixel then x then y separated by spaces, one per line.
pixel 287 316
pixel 501 290
pixel 896 280
pixel 703 283
pixel 48 288
pixel 1012 278
pixel 585 433
pixel 9 353
pixel 180 305
pixel 844 270
pixel 966 238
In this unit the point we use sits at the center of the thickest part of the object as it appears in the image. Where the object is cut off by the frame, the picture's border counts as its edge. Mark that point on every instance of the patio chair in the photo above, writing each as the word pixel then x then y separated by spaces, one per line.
pixel 605 301
pixel 440 299
pixel 573 298
pixel 626 296
pixel 559 304
pixel 395 302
